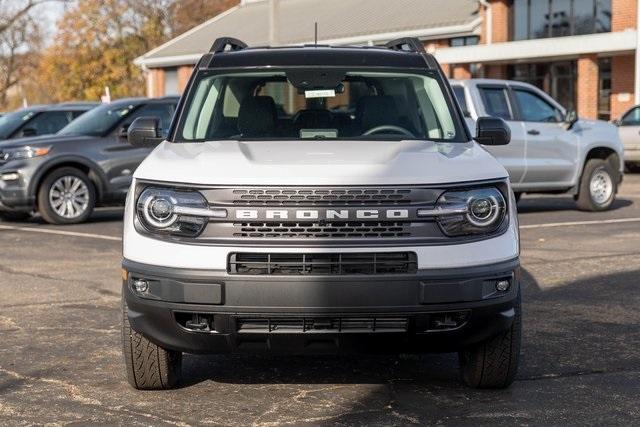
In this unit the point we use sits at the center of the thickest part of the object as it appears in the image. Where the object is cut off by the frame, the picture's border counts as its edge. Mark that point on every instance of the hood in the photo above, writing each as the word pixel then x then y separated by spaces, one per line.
pixel 38 141
pixel 319 163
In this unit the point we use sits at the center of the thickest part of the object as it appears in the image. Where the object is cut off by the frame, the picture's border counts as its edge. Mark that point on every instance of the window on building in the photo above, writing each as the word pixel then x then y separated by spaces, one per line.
pixel 496 102
pixel 464 41
pixel 171 81
pixel 558 79
pixel 604 88
pixel 535 19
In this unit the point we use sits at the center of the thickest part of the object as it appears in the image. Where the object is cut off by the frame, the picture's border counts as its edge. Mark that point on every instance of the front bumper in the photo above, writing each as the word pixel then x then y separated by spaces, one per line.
pixel 207 311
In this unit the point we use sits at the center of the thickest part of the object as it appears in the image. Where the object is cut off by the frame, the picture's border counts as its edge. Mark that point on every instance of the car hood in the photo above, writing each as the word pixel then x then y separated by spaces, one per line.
pixel 319 163
pixel 38 141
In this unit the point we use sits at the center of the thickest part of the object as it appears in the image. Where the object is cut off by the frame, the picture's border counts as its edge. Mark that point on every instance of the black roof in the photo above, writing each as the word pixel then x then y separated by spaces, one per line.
pixel 401 53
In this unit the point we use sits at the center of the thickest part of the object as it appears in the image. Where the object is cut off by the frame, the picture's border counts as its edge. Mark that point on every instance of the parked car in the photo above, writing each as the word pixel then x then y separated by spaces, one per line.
pixel 319 199
pixel 88 163
pixel 629 128
pixel 41 119
pixel 551 150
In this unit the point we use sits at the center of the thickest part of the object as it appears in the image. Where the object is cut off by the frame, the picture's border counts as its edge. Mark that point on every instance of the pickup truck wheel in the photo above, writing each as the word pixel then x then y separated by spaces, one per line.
pixel 494 362
pixel 14 216
pixel 598 186
pixel 66 196
pixel 149 366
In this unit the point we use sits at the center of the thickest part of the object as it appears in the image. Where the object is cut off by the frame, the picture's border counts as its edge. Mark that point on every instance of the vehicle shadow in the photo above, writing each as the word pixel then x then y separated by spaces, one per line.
pixel 564 335
pixel 535 203
pixel 110 214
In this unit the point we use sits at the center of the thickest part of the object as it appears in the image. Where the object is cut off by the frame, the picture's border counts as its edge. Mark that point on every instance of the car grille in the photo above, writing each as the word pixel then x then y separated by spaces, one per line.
pixel 322 325
pixel 324 230
pixel 287 264
pixel 315 197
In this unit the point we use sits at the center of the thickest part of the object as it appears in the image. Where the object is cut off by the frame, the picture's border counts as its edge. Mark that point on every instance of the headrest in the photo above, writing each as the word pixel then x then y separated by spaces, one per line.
pixel 257 116
pixel 374 111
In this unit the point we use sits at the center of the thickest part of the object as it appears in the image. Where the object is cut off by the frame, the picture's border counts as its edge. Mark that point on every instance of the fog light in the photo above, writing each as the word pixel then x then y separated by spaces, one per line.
pixel 140 285
pixel 502 285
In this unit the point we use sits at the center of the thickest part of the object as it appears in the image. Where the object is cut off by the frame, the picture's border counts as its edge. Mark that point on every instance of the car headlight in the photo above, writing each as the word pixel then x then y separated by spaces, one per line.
pixel 23 153
pixel 476 211
pixel 175 212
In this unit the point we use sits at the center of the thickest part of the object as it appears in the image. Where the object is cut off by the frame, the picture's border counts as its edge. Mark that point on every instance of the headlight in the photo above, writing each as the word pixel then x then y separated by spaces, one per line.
pixel 23 153
pixel 175 212
pixel 478 211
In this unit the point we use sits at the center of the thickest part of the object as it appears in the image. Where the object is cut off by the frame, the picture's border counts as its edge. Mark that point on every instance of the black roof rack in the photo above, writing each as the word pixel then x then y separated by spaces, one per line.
pixel 221 44
pixel 406 44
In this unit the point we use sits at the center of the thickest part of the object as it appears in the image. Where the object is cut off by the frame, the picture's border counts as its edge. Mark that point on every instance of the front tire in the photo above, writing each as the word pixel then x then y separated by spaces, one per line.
pixel 66 196
pixel 493 363
pixel 148 366
pixel 598 186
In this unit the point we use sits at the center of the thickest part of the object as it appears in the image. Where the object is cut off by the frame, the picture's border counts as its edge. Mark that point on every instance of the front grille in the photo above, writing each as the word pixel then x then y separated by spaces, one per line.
pixel 322 325
pixel 287 264
pixel 324 230
pixel 322 196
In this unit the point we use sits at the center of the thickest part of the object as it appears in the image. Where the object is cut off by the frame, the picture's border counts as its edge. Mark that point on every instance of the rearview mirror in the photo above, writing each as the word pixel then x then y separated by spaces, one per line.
pixel 492 131
pixel 144 132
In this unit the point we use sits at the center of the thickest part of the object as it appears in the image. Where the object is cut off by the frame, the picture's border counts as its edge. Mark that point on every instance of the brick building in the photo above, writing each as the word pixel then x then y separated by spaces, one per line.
pixel 582 52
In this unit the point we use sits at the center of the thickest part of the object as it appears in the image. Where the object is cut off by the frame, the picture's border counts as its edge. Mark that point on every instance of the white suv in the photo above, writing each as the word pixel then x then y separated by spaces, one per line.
pixel 318 199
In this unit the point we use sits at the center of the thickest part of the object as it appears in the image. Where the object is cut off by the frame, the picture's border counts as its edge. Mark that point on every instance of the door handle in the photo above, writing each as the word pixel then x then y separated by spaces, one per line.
pixel 533 132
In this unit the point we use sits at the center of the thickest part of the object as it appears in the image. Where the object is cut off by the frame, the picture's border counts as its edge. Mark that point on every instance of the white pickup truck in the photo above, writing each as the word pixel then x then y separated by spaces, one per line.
pixel 551 149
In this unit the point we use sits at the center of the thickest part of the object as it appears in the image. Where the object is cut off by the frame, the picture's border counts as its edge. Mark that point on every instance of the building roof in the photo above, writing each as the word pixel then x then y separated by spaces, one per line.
pixel 340 22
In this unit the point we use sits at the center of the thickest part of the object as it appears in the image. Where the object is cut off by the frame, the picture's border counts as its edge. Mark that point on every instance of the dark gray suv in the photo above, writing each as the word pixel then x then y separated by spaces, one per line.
pixel 41 120
pixel 88 163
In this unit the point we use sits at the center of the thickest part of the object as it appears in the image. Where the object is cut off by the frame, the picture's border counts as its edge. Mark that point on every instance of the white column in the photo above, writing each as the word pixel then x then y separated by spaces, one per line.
pixel 273 23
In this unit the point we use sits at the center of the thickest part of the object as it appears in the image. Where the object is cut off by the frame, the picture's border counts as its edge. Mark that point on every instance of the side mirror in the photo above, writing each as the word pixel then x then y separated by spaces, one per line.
pixel 570 118
pixel 27 132
pixel 144 132
pixel 492 131
pixel 122 132
pixel 616 122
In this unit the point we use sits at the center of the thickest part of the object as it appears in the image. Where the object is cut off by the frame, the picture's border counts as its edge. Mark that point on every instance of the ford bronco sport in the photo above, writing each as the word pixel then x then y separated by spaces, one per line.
pixel 320 199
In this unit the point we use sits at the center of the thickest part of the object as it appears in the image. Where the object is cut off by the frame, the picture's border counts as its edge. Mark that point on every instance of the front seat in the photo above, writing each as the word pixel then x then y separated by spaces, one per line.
pixel 374 111
pixel 257 117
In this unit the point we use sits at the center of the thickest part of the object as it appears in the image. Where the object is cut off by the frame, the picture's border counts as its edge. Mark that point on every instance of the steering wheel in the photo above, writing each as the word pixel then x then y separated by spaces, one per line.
pixel 394 129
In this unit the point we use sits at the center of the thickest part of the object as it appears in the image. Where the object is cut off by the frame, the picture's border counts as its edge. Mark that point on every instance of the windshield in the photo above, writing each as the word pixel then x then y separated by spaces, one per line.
pixel 318 104
pixel 11 122
pixel 97 121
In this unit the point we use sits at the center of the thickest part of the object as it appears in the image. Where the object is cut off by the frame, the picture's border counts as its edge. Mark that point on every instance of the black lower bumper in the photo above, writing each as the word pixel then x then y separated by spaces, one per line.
pixel 199 311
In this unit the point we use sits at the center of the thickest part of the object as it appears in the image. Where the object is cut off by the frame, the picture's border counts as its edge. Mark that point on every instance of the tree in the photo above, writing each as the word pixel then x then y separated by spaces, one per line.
pixel 19 33
pixel 96 46
pixel 186 14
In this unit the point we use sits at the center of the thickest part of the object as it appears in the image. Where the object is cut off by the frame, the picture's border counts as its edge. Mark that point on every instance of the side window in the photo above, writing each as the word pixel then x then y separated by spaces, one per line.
pixel 535 109
pixel 462 100
pixel 496 102
pixel 164 112
pixel 46 123
pixel 632 118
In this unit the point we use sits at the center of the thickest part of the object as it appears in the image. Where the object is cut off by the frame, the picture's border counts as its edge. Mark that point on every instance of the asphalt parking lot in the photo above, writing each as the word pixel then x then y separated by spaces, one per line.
pixel 60 357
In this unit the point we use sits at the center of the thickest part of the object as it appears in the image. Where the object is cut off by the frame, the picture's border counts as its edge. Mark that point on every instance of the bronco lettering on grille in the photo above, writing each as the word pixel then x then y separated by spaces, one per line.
pixel 322 214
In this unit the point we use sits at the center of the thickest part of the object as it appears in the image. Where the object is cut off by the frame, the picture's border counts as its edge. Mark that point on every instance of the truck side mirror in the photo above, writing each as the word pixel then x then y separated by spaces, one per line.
pixel 570 118
pixel 144 132
pixel 492 131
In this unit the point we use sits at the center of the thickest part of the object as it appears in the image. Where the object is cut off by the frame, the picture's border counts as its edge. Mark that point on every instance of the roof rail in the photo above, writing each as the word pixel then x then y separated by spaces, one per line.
pixel 221 44
pixel 406 44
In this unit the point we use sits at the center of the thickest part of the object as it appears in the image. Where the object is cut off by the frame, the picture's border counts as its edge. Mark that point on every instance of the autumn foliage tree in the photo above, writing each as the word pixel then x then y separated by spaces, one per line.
pixel 96 43
pixel 98 40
